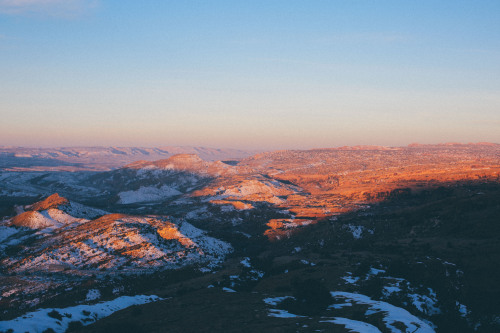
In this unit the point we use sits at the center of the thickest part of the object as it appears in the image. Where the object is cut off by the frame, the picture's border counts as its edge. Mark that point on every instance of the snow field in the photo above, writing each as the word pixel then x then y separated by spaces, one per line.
pixel 59 319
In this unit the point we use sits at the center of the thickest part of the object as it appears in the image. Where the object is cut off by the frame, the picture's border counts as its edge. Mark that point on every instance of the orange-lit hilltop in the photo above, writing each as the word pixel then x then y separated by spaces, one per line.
pixel 313 184
pixel 309 185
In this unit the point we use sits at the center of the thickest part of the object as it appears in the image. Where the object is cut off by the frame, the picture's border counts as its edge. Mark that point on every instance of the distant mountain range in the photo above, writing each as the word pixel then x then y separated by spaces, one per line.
pixel 109 158
pixel 104 158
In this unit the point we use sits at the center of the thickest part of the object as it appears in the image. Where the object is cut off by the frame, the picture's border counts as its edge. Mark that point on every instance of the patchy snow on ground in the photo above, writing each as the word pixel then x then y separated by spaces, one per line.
pixel 276 300
pixel 122 242
pixel 306 262
pixel 278 313
pixel 228 290
pixel 246 262
pixel 244 234
pixel 212 247
pixel 425 301
pixel 425 304
pixel 227 208
pixel 356 231
pixel 59 319
pixel 246 276
pixel 462 309
pixel 350 279
pixel 394 318
pixel 92 295
pixel 147 193
pixel 6 232
pixel 376 271
pixel 353 326
pixel 388 290
pixel 392 314
pixel 198 213
pixel 81 211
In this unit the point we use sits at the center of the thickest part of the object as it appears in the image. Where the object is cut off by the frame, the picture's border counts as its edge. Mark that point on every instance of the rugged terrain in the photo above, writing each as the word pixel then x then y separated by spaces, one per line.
pixel 101 158
pixel 368 239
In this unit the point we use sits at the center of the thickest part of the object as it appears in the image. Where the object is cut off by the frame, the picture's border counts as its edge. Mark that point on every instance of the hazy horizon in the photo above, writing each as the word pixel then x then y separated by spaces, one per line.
pixel 259 75
pixel 256 150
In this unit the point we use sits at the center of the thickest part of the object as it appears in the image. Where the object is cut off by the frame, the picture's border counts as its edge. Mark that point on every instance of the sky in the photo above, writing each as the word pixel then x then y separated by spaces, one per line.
pixel 273 74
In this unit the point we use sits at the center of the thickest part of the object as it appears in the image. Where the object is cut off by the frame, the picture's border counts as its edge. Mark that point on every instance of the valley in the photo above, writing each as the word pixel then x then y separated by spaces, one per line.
pixel 366 238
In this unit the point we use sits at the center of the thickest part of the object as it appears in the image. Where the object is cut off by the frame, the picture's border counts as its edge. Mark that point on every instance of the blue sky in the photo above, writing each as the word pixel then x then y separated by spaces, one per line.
pixel 254 74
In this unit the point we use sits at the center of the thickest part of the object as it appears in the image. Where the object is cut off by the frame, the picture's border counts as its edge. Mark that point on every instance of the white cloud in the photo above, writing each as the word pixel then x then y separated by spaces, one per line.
pixel 52 8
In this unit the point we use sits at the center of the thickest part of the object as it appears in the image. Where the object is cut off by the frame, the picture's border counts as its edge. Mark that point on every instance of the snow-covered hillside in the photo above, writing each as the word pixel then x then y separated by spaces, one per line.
pixel 58 320
pixel 112 241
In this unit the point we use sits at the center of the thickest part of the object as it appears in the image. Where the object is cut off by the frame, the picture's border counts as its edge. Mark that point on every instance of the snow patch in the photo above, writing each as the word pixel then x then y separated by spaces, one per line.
pixel 6 232
pixel 392 314
pixel 197 213
pixel 83 212
pixel 375 271
pixel 246 262
pixel 353 326
pixel 278 313
pixel 462 309
pixel 276 300
pixel 425 304
pixel 92 295
pixel 350 279
pixel 356 231
pixel 59 319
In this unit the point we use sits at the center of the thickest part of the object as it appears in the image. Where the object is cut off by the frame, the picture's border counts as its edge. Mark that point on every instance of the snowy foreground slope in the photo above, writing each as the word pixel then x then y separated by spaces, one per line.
pixel 392 314
pixel 395 319
pixel 59 319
